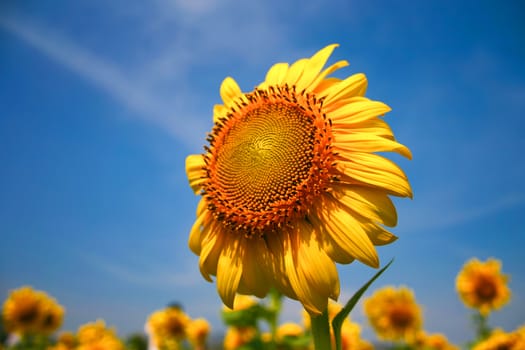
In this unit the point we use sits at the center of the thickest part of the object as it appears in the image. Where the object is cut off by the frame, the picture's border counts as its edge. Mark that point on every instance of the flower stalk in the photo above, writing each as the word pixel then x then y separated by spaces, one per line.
pixel 321 331
pixel 275 308
pixel 483 329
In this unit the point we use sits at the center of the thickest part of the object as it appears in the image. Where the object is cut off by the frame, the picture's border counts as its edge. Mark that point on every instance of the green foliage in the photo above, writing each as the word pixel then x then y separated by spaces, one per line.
pixel 246 317
pixel 3 332
pixel 137 342
pixel 32 342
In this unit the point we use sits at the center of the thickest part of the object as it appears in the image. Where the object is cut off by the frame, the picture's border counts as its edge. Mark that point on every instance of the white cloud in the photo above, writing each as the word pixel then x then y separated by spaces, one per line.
pixel 107 77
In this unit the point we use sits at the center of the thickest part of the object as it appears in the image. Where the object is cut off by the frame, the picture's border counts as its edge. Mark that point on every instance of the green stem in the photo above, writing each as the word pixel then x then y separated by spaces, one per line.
pixel 275 308
pixel 482 327
pixel 321 331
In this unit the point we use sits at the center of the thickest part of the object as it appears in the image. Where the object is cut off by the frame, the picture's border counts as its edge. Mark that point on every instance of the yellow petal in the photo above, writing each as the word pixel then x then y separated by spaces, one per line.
pixel 270 256
pixel 378 235
pixel 295 72
pixel 202 207
pixel 195 239
pixel 195 171
pixel 364 142
pixel 219 111
pixel 354 85
pixel 211 246
pixel 330 246
pixel 324 85
pixel 230 90
pixel 358 111
pixel 375 126
pixel 322 82
pixel 253 279
pixel 321 275
pixel 313 66
pixel 229 270
pixel 347 231
pixel 275 75
pixel 309 287
pixel 373 170
pixel 337 104
pixel 367 202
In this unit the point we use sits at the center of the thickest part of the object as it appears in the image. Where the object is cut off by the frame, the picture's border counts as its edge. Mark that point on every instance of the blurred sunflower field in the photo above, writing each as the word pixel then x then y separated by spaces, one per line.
pixel 32 320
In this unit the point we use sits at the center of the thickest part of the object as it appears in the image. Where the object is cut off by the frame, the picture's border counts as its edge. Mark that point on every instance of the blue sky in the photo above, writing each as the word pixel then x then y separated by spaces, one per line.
pixel 100 102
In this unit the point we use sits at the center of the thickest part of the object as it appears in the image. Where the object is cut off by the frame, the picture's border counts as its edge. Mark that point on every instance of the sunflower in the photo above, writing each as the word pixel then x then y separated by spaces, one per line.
pixel 236 337
pixel 291 183
pixel 435 341
pixel 96 336
pixel 482 286
pixel 21 310
pixel 351 337
pixel 52 315
pixel 501 340
pixel 27 310
pixel 197 331
pixel 289 329
pixel 394 313
pixel 167 327
pixel 66 341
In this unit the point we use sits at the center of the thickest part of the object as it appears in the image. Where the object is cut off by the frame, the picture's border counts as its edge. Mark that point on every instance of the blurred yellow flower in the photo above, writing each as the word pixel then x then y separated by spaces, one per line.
pixel 52 316
pixel 236 337
pixel 351 337
pixel 482 285
pixel 435 341
pixel 65 341
pixel 96 336
pixel 394 313
pixel 30 311
pixel 288 329
pixel 167 327
pixel 291 184
pixel 106 343
pixel 93 331
pixel 197 331
pixel 501 340
pixel 21 310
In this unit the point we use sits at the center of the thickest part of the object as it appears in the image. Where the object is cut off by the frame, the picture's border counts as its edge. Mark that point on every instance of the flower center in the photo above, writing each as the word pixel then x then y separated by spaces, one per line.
pixel 269 158
pixel 28 315
pixel 49 321
pixel 401 317
pixel 175 327
pixel 486 290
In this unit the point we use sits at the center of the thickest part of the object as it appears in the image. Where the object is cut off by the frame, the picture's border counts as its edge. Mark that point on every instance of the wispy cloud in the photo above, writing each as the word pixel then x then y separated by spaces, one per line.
pixel 180 37
pixel 105 76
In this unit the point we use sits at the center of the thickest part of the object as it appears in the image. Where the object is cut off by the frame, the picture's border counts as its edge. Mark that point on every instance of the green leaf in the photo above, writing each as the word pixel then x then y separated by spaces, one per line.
pixel 338 320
